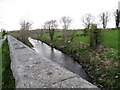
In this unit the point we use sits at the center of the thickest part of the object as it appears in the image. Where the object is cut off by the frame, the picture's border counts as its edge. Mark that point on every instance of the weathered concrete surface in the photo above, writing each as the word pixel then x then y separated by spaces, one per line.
pixel 33 71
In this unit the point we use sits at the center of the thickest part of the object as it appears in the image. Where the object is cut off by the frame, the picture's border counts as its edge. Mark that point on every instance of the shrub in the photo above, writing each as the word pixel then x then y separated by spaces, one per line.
pixel 95 36
pixel 86 31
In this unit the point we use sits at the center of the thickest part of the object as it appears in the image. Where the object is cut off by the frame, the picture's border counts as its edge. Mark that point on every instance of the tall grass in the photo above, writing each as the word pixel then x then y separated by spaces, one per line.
pixel 110 39
pixel 7 76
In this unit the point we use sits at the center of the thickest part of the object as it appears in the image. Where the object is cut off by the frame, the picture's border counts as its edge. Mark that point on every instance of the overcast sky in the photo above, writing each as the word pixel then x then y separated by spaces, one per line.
pixel 40 11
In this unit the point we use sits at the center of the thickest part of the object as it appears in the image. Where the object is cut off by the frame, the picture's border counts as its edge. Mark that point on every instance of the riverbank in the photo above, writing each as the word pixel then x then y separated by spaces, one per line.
pixel 101 65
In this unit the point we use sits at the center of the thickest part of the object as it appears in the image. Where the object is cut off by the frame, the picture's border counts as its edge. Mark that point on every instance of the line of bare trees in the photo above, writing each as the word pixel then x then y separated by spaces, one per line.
pixel 66 22
pixel 52 26
pixel 104 18
pixel 89 19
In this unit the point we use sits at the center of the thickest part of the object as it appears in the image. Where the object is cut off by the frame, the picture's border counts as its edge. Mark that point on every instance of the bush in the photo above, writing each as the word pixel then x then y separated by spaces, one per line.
pixel 86 31
pixel 8 81
pixel 3 33
pixel 95 36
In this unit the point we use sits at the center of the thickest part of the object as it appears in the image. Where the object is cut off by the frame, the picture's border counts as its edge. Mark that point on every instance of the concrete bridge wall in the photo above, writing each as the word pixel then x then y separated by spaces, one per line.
pixel 33 71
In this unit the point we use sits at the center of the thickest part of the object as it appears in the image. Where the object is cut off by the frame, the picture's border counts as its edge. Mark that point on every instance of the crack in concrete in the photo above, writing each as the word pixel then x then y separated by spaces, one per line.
pixel 64 79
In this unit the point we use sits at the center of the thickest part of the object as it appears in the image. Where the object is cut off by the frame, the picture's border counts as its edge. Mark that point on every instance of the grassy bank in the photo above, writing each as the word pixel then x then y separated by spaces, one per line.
pixel 102 65
pixel 25 41
pixel 21 38
pixel 7 76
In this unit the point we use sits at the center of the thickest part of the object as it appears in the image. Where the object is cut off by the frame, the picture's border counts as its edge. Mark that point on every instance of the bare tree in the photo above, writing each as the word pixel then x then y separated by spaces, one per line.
pixel 117 18
pixel 66 22
pixel 25 25
pixel 24 33
pixel 87 20
pixel 104 18
pixel 51 26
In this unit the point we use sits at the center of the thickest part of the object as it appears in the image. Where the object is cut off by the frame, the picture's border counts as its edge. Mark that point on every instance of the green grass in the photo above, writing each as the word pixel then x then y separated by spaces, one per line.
pixel 15 33
pixel 7 76
pixel 82 39
pixel 110 39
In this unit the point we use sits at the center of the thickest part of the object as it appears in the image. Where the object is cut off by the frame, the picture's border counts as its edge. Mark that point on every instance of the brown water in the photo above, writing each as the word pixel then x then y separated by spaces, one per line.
pixel 59 57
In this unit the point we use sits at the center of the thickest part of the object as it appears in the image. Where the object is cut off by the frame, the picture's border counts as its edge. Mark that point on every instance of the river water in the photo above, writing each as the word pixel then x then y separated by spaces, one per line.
pixel 57 56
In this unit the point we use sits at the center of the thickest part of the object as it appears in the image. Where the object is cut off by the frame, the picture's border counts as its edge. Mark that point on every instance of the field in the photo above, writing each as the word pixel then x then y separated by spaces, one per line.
pixel 110 38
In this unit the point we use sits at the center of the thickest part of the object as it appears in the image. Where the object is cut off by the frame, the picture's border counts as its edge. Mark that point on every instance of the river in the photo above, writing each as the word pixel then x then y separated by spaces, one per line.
pixel 59 57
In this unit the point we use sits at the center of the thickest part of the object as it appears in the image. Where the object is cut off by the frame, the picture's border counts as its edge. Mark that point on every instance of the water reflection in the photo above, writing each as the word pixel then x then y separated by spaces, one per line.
pixel 61 58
